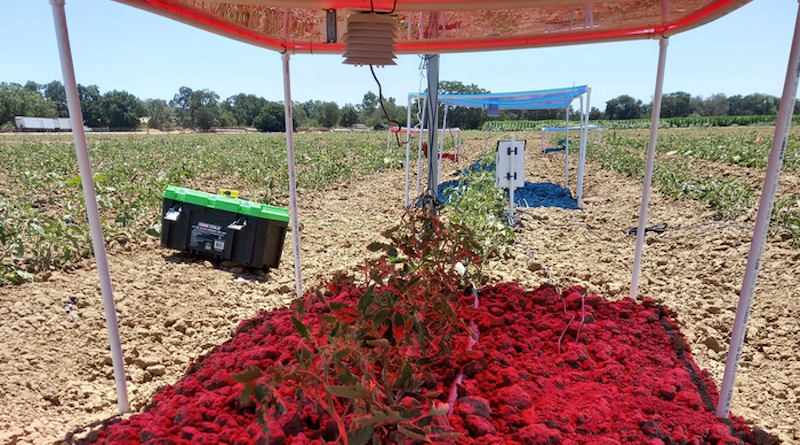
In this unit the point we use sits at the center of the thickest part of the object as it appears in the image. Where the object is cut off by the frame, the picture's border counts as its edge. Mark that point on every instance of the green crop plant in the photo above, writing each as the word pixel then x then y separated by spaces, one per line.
pixel 786 214
pixel 367 346
pixel 477 203
pixel 729 198
pixel 628 124
pixel 131 172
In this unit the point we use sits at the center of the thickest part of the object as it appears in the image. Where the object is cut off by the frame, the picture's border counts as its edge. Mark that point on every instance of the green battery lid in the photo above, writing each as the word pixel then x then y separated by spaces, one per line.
pixel 225 203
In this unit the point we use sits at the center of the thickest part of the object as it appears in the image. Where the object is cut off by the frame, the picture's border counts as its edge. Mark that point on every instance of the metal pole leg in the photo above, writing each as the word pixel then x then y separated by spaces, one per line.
pixel 287 106
pixel 648 175
pixel 765 206
pixel 92 213
pixel 408 144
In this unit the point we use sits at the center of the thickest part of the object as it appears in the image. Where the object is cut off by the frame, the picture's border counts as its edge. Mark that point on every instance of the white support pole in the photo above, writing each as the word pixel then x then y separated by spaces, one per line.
pixel 432 191
pixel 765 205
pixel 566 151
pixel 511 181
pixel 389 138
pixel 408 145
pixel 582 154
pixel 419 149
pixel 287 106
pixel 92 213
pixel 441 143
pixel 542 140
pixel 648 175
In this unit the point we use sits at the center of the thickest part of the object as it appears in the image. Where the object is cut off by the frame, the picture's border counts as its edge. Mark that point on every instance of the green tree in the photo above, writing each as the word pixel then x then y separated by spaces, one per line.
pixel 714 105
pixel 91 106
pixel 367 109
pixel 462 117
pixel 196 108
pixel 227 119
pixel 16 100
pixel 32 86
pixel 762 104
pixel 595 114
pixel 121 110
pixel 349 116
pixel 160 114
pixel 244 108
pixel 181 107
pixel 623 107
pixel 54 92
pixel 676 104
pixel 272 118
pixel 329 114
pixel 204 109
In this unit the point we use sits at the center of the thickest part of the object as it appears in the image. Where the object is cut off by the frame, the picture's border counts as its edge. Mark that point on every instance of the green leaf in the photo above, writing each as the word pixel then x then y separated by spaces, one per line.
pixel 380 317
pixel 378 343
pixel 39 229
pixel 75 180
pixel 154 230
pixel 337 306
pixel 380 417
pixel 301 328
pixel 26 276
pixel 19 252
pixel 248 375
pixel 366 299
pixel 439 411
pixel 343 391
pixel 361 436
pixel 413 434
pixel 374 247
pixel 342 353
pixel 247 393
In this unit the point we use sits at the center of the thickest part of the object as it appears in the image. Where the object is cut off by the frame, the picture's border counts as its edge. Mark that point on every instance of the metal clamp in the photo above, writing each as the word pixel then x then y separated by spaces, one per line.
pixel 239 224
pixel 173 214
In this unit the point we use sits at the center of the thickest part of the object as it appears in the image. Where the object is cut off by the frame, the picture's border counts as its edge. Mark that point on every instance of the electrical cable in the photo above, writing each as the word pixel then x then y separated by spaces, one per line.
pixel 380 99
pixel 656 228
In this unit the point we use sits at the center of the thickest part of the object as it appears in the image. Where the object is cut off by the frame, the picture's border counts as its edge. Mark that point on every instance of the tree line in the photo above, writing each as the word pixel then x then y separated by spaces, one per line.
pixel 203 109
pixel 188 109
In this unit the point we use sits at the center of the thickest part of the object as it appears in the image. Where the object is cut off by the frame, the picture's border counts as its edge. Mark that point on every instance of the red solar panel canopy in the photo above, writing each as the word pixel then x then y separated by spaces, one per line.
pixel 443 26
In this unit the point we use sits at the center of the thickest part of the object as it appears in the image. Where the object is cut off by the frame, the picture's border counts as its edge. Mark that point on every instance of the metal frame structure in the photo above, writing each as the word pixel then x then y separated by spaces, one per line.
pixel 661 32
pixel 520 102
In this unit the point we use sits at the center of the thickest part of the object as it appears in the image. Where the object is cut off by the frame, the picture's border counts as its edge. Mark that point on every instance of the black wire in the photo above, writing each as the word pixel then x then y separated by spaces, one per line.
pixel 657 228
pixel 380 99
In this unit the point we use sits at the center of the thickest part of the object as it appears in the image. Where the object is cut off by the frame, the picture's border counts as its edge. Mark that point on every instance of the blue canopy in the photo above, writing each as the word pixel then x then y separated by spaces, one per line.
pixel 524 100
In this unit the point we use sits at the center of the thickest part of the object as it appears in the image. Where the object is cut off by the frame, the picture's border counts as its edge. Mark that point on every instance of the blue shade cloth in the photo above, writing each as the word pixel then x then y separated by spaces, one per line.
pixel 524 100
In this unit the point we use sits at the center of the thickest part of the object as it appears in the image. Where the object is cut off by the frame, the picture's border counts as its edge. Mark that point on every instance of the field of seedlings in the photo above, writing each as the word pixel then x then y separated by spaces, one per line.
pixel 189 325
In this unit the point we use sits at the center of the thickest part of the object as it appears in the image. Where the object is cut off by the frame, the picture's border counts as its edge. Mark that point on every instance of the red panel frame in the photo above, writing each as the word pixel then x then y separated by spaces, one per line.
pixel 200 19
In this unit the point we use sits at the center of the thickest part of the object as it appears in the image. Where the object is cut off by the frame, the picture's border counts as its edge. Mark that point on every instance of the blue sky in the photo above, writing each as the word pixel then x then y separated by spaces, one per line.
pixel 119 47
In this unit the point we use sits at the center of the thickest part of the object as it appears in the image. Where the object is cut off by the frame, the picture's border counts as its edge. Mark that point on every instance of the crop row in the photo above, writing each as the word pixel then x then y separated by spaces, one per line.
pixel 626 124
pixel 747 150
pixel 729 198
pixel 41 202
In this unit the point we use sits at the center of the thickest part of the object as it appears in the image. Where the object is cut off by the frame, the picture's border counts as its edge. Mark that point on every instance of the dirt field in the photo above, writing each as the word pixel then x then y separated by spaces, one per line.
pixel 56 375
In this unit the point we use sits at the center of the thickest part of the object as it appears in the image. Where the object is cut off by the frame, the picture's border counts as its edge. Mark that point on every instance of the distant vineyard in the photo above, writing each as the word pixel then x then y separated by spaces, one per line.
pixel 672 122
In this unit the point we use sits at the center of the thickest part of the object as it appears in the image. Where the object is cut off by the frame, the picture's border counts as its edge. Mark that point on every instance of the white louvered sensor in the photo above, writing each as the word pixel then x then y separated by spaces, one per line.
pixel 370 39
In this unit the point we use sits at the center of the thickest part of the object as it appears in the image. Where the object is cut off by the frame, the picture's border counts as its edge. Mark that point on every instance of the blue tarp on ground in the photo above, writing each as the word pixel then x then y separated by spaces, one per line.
pixel 539 194
pixel 544 194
